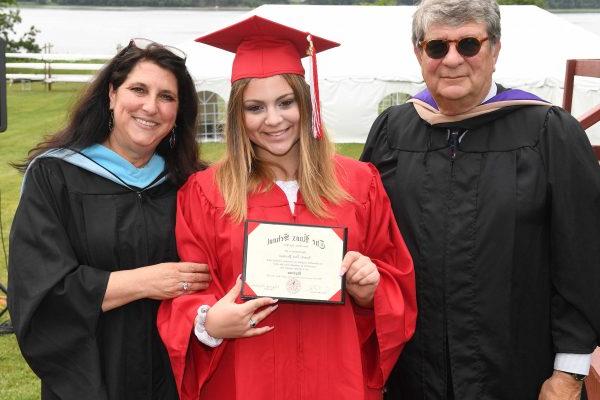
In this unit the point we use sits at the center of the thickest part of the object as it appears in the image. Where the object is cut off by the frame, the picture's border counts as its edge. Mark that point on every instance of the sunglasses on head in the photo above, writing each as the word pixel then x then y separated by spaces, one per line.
pixel 143 44
pixel 438 48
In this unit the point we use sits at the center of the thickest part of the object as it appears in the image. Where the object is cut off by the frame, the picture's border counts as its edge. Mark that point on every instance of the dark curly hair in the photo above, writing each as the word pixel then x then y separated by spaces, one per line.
pixel 89 118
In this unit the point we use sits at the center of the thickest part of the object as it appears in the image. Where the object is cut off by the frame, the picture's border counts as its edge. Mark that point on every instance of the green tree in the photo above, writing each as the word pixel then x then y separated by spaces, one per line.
pixel 10 17
pixel 539 3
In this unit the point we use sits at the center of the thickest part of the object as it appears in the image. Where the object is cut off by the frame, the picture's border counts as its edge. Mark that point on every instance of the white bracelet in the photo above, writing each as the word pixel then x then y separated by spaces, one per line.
pixel 200 330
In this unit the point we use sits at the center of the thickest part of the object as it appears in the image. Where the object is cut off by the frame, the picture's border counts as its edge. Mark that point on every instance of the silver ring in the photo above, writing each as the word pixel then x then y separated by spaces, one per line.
pixel 252 323
pixel 185 286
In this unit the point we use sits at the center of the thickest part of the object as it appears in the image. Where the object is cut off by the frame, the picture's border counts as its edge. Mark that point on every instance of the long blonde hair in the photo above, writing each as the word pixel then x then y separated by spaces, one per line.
pixel 240 172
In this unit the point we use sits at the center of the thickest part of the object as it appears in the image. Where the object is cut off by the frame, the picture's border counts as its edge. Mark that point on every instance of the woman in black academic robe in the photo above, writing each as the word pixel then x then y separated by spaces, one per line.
pixel 92 248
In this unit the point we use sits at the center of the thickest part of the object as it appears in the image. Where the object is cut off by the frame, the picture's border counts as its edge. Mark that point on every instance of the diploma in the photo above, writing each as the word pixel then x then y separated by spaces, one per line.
pixel 293 262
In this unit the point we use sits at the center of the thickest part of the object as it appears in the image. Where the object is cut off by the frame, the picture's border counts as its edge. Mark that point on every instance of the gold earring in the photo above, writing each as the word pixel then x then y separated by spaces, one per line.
pixel 111 120
pixel 172 139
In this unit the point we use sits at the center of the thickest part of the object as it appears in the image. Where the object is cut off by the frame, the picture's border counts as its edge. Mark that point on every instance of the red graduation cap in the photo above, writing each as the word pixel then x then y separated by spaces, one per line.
pixel 264 48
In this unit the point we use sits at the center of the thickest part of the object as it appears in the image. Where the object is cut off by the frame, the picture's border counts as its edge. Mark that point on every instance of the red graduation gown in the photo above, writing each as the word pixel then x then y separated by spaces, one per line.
pixel 316 351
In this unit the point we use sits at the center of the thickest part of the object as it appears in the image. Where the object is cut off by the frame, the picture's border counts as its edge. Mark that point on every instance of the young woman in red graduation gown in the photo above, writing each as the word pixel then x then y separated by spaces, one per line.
pixel 275 170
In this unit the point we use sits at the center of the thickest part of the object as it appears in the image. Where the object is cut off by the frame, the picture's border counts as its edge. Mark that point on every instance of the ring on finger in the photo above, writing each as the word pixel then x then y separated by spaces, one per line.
pixel 252 323
pixel 185 286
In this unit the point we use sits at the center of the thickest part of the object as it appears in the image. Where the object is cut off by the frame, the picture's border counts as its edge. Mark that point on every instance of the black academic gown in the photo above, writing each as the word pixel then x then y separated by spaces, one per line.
pixel 505 241
pixel 73 228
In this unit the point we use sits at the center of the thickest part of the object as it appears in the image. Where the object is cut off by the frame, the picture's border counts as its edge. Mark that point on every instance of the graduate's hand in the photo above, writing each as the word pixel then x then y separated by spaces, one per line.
pixel 228 319
pixel 168 280
pixel 362 278
pixel 560 386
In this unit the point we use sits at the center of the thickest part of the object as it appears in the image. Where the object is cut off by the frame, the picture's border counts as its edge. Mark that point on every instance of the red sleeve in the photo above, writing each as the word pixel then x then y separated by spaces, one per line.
pixel 393 318
pixel 192 362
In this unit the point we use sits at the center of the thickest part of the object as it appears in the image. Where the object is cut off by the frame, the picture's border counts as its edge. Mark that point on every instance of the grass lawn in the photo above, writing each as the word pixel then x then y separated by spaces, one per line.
pixel 31 115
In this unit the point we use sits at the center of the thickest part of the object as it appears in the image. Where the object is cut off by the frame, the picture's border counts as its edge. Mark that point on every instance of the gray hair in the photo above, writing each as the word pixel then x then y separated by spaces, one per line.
pixel 456 13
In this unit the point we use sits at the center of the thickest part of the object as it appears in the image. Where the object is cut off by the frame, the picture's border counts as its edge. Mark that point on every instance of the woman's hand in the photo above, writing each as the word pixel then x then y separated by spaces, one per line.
pixel 228 319
pixel 159 282
pixel 168 280
pixel 362 278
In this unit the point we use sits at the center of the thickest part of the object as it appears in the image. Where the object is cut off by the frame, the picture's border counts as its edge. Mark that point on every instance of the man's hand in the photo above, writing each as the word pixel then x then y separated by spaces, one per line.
pixel 560 386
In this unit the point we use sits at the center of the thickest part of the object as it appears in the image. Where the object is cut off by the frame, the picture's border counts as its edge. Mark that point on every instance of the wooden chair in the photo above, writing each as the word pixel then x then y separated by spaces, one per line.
pixel 589 68
pixel 592 382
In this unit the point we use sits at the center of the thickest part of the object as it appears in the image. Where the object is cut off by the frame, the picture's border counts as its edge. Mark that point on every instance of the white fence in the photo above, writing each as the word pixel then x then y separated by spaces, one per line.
pixel 47 63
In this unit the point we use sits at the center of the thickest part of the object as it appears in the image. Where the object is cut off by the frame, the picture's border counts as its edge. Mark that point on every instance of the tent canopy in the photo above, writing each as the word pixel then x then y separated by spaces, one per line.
pixel 376 59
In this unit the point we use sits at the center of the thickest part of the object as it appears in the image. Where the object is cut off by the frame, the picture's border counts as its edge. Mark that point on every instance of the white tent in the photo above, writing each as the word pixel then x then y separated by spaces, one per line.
pixel 376 59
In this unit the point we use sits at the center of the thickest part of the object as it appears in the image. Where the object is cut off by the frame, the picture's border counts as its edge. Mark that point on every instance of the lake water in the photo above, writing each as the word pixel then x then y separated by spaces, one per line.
pixel 101 30
pixel 79 30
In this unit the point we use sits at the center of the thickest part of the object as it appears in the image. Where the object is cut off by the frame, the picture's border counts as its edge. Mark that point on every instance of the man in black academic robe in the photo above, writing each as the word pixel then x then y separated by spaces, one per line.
pixel 497 195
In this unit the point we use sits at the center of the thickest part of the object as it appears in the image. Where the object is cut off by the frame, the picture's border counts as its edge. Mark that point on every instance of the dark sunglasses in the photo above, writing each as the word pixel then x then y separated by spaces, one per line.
pixel 143 44
pixel 438 48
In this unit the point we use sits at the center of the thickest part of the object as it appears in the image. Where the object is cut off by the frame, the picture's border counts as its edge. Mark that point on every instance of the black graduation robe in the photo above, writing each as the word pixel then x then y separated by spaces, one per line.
pixel 71 229
pixel 505 239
